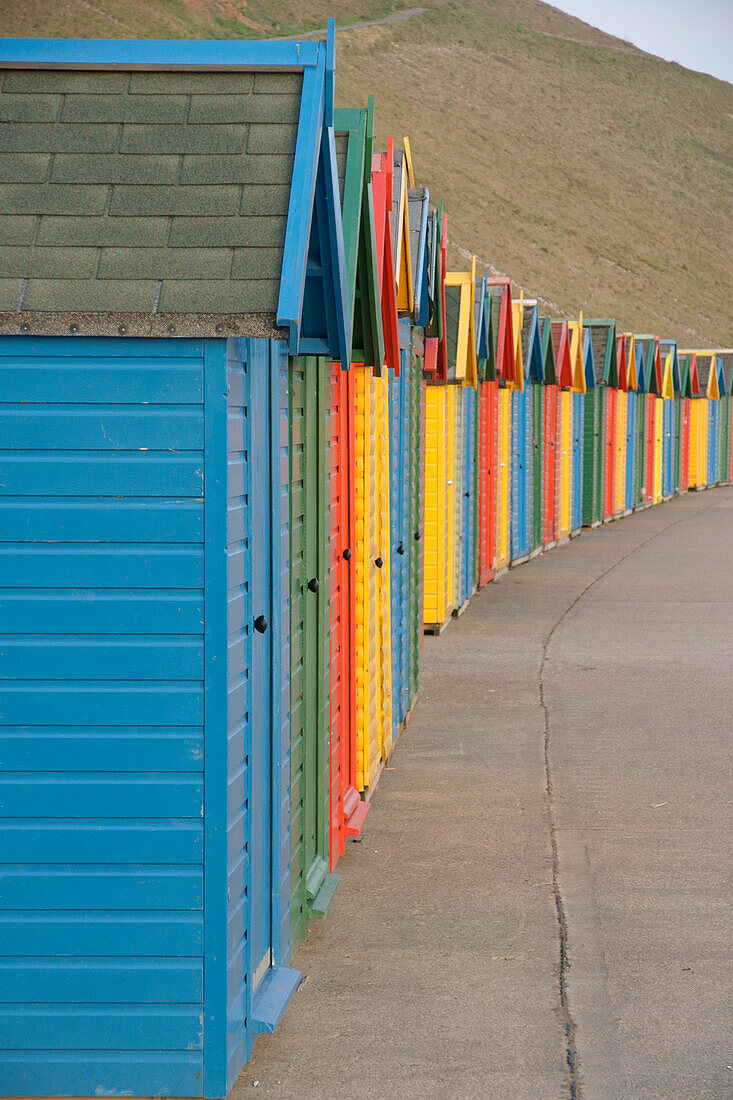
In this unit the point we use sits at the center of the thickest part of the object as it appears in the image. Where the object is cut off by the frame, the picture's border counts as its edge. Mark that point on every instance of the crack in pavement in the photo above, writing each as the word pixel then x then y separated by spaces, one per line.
pixel 571 1051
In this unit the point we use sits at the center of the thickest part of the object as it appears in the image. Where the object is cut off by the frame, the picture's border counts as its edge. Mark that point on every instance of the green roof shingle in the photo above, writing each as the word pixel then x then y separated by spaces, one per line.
pixel 132 197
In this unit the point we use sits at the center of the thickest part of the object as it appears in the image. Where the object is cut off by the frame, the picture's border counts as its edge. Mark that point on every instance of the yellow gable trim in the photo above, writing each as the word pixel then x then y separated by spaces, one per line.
pixel 667 384
pixel 466 370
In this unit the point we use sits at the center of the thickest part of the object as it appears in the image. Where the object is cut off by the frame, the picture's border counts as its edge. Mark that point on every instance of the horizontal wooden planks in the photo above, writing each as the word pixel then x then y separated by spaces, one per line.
pixel 101 715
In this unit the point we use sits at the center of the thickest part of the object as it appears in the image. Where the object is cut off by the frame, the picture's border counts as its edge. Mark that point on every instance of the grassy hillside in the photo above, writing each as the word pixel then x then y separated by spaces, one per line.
pixel 596 175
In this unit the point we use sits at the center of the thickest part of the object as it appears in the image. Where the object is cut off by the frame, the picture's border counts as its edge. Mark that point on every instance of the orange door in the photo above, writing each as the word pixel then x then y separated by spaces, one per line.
pixel 487 480
pixel 347 809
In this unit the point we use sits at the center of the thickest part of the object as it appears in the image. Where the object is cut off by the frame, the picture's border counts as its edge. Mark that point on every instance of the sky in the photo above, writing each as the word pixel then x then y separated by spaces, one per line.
pixel 696 33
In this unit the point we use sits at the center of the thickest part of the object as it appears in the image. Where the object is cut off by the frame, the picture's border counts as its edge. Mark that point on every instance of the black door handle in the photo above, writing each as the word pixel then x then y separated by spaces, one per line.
pixel 260 624
pixel 379 562
pixel 401 548
pixel 313 585
pixel 347 554
pixel 466 495
pixel 417 536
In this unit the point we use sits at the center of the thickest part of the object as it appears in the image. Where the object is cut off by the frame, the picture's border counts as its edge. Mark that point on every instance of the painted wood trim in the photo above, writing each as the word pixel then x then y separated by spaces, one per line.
pixel 300 207
pixel 215 718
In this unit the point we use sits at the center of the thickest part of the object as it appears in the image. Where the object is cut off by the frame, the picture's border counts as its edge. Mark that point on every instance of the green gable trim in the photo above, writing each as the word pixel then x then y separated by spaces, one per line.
pixel 355 136
pixel 452 315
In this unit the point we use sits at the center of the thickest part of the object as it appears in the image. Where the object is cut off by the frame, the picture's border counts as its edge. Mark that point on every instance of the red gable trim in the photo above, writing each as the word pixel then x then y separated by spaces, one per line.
pixel 621 361
pixel 694 380
pixel 561 347
pixel 382 170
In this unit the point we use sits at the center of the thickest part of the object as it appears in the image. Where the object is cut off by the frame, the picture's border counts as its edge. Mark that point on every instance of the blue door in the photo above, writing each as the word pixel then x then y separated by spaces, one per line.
pixel 630 444
pixel 399 499
pixel 578 434
pixel 519 544
pixel 260 668
pixel 261 757
pixel 713 441
pixel 667 411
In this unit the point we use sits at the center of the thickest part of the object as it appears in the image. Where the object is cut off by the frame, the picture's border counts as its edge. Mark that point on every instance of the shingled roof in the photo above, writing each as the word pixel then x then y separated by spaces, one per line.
pixel 158 202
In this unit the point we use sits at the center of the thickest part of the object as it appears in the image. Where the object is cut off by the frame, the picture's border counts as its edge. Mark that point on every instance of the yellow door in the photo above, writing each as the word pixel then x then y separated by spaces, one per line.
pixel 658 434
pixel 367 723
pixel 620 486
pixel 694 442
pixel 437 531
pixel 383 685
pixel 503 480
pixel 702 447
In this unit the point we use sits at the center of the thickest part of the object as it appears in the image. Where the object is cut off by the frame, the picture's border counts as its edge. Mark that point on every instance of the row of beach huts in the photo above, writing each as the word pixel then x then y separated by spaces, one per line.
pixel 256 441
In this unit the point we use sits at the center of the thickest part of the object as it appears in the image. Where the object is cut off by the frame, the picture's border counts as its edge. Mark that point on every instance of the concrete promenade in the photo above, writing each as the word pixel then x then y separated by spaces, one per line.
pixel 540 906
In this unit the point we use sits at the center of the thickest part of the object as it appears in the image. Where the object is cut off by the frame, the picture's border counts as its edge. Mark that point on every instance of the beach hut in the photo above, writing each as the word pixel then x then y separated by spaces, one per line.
pixel 152 371
pixel 354 130
pixel 708 377
pixel 437 547
pixel 486 350
pixel 521 444
pixel 371 549
pixel 686 391
pixel 579 343
pixel 667 462
pixel 696 465
pixel 621 399
pixel 631 403
pixel 564 429
pixel 423 274
pixel 549 433
pixel 603 342
pixel 640 416
pixel 534 374
pixel 651 350
pixel 461 350
pixel 412 269
pixel 726 434
pixel 499 289
pixel 669 348
pixel 721 452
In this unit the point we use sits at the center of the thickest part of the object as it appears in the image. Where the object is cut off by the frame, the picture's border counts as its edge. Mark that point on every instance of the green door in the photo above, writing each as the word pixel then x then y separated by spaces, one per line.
pixel 640 449
pixel 537 444
pixel 676 444
pixel 593 453
pixel 311 884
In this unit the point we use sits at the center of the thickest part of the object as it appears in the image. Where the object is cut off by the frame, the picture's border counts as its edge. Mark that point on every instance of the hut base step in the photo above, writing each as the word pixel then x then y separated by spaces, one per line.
pixel 272 997
pixel 318 907
pixel 518 561
pixel 357 815
pixel 436 628
pixel 458 611
pixel 535 553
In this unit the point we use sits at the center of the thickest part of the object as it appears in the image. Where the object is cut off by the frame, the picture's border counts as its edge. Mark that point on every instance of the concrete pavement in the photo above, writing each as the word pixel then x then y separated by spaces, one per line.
pixel 540 903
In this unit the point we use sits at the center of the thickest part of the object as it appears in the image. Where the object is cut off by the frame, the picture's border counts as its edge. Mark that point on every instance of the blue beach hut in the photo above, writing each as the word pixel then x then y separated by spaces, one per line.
pixel 176 237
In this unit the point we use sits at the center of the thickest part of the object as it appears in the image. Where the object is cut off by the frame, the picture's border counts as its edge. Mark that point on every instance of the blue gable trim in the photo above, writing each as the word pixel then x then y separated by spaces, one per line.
pixel 314 302
pixel 535 367
pixel 422 318
pixel 589 363
pixel 721 379
pixel 83 53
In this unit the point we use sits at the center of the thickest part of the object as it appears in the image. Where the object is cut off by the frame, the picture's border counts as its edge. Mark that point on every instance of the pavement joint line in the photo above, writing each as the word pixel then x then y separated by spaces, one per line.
pixel 571 1052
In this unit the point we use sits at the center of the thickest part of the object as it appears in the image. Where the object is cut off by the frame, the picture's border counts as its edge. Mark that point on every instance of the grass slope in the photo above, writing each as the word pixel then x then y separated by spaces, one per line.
pixel 597 175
